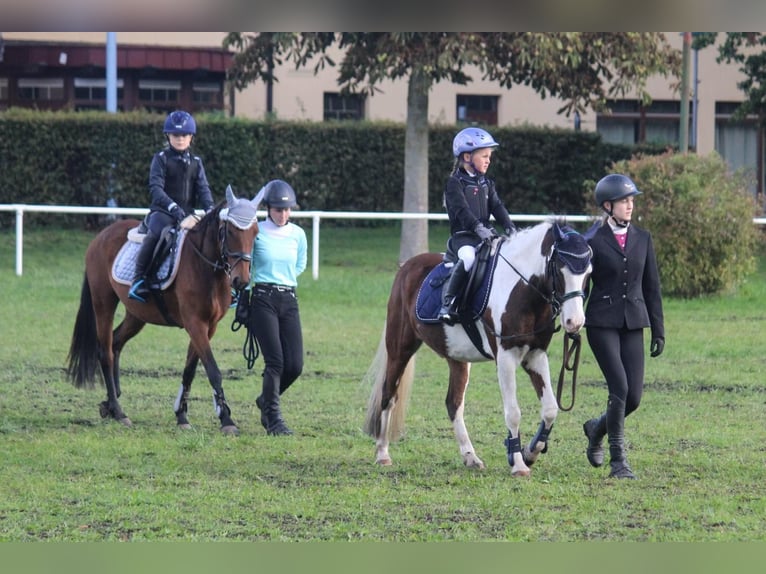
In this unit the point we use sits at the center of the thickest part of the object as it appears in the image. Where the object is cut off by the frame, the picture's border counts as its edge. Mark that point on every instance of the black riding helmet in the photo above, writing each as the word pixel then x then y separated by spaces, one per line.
pixel 614 187
pixel 279 193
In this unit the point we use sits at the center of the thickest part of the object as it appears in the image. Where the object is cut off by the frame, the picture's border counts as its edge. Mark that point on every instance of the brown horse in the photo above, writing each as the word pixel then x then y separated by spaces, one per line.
pixel 539 273
pixel 215 257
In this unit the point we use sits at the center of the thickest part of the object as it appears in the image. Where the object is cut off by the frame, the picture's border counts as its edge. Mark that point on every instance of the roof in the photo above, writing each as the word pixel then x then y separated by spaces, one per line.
pixel 28 53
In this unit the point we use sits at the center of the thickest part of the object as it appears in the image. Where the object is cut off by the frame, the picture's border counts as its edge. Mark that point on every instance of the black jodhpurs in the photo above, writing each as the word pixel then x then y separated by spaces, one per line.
pixel 275 322
pixel 620 355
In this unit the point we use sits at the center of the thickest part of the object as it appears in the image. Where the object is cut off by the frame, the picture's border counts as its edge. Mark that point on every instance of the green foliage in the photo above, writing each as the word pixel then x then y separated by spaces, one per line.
pixel 700 216
pixel 66 158
pixel 584 69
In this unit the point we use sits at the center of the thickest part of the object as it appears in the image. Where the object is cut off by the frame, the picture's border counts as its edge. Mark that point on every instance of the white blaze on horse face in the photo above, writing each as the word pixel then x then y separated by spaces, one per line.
pixel 572 315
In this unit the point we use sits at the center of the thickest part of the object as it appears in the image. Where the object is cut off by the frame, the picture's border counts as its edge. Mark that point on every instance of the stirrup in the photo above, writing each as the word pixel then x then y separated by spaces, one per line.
pixel 134 291
pixel 448 317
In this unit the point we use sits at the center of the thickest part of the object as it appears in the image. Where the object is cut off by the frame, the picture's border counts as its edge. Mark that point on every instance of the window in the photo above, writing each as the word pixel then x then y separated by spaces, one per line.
pixel 630 122
pixel 207 94
pixel 158 91
pixel 343 106
pixel 94 89
pixel 737 141
pixel 39 89
pixel 3 89
pixel 477 109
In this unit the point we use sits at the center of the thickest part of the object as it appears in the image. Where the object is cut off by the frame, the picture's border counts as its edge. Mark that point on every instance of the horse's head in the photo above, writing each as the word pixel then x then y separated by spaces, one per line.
pixel 570 267
pixel 237 230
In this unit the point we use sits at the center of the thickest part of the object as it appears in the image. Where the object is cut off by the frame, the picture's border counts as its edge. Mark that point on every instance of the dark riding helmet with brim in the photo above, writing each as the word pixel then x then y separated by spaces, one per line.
pixel 180 122
pixel 279 193
pixel 615 187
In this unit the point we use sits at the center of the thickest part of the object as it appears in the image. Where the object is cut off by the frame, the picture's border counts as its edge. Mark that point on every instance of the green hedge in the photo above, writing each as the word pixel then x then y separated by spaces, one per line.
pixel 66 158
pixel 700 215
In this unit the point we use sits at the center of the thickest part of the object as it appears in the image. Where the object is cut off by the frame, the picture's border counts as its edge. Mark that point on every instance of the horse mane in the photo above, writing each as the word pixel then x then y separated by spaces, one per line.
pixel 212 215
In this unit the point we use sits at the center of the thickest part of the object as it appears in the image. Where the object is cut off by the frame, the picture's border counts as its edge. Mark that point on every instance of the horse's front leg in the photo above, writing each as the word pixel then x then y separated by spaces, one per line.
pixel 507 363
pixel 537 367
pixel 181 405
pixel 458 382
pixel 200 342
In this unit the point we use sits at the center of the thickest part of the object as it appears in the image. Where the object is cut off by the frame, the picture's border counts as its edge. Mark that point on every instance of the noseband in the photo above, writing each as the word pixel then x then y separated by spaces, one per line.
pixel 224 254
pixel 576 262
pixel 238 256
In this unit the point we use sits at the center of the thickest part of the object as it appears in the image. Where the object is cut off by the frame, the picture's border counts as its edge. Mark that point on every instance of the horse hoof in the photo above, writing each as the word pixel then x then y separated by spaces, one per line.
pixel 474 462
pixel 185 426
pixel 126 422
pixel 231 430
pixel 383 461
pixel 521 472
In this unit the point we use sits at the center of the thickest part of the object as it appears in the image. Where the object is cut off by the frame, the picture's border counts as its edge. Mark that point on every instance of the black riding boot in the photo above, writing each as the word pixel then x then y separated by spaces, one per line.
pixel 595 429
pixel 139 290
pixel 615 425
pixel 268 402
pixel 448 310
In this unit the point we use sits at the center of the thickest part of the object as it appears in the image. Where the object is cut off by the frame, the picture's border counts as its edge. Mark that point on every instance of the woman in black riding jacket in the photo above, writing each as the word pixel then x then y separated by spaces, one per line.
pixel 624 299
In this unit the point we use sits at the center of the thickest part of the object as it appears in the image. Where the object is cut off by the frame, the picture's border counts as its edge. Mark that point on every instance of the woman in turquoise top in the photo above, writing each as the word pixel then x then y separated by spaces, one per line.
pixel 279 257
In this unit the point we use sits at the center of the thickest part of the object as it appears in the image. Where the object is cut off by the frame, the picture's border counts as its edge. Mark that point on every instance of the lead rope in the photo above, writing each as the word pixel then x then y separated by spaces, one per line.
pixel 241 319
pixel 568 364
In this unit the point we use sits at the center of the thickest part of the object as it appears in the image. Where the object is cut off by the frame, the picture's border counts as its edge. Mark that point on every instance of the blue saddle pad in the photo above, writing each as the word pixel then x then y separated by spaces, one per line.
pixel 429 299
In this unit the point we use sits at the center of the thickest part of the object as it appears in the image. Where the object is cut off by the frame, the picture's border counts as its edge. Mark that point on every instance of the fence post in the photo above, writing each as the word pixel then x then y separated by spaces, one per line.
pixel 19 239
pixel 315 246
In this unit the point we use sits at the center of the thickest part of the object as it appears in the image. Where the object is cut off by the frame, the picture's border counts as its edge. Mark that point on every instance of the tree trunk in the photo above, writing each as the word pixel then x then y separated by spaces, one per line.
pixel 414 238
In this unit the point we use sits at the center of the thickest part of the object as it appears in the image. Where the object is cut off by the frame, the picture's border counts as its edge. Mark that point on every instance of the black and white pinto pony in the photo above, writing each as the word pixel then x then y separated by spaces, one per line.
pixel 539 275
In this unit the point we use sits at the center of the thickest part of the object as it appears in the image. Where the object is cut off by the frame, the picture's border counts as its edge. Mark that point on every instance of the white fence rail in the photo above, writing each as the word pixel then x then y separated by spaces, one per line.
pixel 315 216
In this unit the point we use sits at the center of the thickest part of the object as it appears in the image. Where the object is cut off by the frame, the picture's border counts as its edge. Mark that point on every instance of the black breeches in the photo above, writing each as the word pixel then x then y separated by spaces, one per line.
pixel 275 322
pixel 620 355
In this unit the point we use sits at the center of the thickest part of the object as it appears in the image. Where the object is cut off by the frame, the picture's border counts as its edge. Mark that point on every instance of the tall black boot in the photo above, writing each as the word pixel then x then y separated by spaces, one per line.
pixel 139 290
pixel 268 402
pixel 615 426
pixel 595 429
pixel 448 310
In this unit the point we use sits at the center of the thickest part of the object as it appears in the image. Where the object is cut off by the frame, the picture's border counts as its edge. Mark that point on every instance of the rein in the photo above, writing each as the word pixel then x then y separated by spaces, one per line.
pixel 223 264
pixel 569 364
pixel 554 300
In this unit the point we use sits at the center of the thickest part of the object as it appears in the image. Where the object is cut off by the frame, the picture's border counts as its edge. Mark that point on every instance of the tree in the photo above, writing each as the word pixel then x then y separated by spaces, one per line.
pixel 582 69
pixel 743 48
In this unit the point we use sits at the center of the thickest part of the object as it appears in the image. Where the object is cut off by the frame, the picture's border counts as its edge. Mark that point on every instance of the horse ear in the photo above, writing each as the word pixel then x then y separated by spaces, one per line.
pixel 557 233
pixel 230 197
pixel 588 235
pixel 258 197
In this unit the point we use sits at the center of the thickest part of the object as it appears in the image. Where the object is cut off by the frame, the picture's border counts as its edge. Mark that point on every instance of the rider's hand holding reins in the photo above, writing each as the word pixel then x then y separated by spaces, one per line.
pixel 485 233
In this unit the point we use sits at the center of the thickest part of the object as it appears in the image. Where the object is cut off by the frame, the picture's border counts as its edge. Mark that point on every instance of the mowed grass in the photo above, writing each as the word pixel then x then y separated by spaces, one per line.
pixel 697 442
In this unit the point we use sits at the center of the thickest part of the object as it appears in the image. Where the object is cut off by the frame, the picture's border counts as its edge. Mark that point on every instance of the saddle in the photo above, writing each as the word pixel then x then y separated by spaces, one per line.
pixel 163 266
pixel 472 301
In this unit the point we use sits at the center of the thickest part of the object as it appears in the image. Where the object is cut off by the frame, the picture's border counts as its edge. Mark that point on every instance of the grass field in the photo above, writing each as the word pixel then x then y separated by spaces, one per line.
pixel 697 442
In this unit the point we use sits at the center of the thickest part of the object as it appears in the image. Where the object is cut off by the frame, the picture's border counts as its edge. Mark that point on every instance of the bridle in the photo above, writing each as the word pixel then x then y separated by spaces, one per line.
pixel 224 254
pixel 555 299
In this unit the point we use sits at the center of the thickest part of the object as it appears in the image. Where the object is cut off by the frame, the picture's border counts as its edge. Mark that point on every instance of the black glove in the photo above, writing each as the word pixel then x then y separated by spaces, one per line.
pixel 485 233
pixel 657 346
pixel 178 213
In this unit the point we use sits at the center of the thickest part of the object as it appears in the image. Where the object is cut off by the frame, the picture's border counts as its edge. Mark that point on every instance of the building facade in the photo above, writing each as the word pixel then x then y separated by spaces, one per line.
pixel 168 70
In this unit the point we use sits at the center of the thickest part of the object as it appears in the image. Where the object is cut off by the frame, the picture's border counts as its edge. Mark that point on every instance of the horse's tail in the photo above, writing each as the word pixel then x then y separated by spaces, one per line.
pixel 376 374
pixel 84 349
